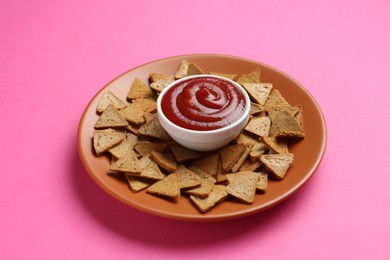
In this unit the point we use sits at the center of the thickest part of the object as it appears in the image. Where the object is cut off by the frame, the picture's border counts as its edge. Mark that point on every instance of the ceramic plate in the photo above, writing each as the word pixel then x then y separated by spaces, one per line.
pixel 308 152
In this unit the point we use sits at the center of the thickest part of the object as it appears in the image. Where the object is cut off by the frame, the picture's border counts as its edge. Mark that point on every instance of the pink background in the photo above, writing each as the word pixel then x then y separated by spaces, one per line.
pixel 54 57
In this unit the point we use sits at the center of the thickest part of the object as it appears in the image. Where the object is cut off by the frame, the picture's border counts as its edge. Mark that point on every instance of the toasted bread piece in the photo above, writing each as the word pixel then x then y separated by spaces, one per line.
pixel 249 165
pixel 206 185
pixel 208 164
pixel 110 118
pixel 275 144
pixel 109 98
pixel 262 183
pixel 230 154
pixel 182 71
pixel 194 69
pixel 133 128
pixel 137 111
pixel 258 91
pixel 247 138
pixel 275 99
pixel 259 126
pixel 107 138
pixel 257 150
pixel 225 75
pixel 133 114
pixel 251 77
pixel 150 168
pixel 169 186
pixel 240 160
pixel 154 77
pixel 242 185
pixel 120 150
pixel 153 128
pixel 144 148
pixel 284 123
pixel 277 164
pixel 256 108
pixel 148 105
pixel 217 195
pixel 297 112
pixel 137 183
pixel 129 163
pixel 160 81
pixel 165 160
pixel 183 154
pixel 160 85
pixel 221 173
pixel 139 89
pixel 187 178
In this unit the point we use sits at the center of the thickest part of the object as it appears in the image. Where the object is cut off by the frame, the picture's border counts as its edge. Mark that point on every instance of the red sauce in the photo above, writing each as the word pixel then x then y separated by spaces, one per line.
pixel 205 103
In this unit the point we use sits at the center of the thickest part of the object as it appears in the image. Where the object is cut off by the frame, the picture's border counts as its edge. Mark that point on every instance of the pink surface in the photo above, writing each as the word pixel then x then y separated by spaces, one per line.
pixel 54 57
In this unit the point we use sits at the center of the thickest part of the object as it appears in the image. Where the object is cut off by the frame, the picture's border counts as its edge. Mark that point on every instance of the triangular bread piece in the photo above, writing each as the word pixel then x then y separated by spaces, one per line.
pixel 148 105
pixel 109 98
pixel 257 150
pixel 262 183
pixel 256 108
pixel 258 91
pixel 247 138
pixel 169 186
pixel 250 165
pixel 206 185
pixel 221 173
pixel 139 89
pixel 133 113
pixel 230 154
pixel 284 123
pixel 297 112
pixel 187 178
pixel 183 154
pixel 160 81
pixel 208 164
pixel 107 138
pixel 182 71
pixel 153 128
pixel 154 77
pixel 110 118
pixel 165 160
pixel 275 99
pixel 277 164
pixel 120 150
pixel 242 185
pixel 137 183
pixel 253 76
pixel 259 126
pixel 129 163
pixel 275 144
pixel 150 168
pixel 144 148
pixel 194 69
pixel 241 159
pixel 217 195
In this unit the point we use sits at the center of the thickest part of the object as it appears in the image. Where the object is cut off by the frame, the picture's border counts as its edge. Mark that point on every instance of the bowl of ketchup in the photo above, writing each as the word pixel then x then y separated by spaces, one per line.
pixel 203 112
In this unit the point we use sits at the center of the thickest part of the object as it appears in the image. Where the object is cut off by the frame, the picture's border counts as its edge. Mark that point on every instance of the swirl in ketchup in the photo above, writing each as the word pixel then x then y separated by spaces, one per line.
pixel 203 103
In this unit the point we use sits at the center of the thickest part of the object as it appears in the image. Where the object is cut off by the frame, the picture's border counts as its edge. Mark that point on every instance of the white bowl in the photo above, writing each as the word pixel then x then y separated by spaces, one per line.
pixel 203 140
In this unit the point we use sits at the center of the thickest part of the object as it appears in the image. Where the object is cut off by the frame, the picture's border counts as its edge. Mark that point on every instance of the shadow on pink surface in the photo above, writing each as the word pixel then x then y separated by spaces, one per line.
pixel 157 231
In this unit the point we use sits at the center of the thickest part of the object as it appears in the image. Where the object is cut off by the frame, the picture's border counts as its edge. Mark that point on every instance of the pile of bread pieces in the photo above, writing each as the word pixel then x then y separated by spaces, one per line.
pixel 143 154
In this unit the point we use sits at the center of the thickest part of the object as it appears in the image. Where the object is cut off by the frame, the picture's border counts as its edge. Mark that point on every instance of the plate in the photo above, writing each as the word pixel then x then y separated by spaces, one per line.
pixel 308 153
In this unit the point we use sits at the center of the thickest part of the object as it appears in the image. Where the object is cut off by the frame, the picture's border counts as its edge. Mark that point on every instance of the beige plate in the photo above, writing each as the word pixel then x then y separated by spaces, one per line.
pixel 308 153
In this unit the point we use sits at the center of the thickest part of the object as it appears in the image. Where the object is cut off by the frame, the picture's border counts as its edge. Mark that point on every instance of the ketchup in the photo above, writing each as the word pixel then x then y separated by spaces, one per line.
pixel 203 103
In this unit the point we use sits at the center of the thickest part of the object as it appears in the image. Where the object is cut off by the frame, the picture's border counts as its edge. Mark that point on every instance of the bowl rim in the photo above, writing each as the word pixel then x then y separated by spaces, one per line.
pixel 243 117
